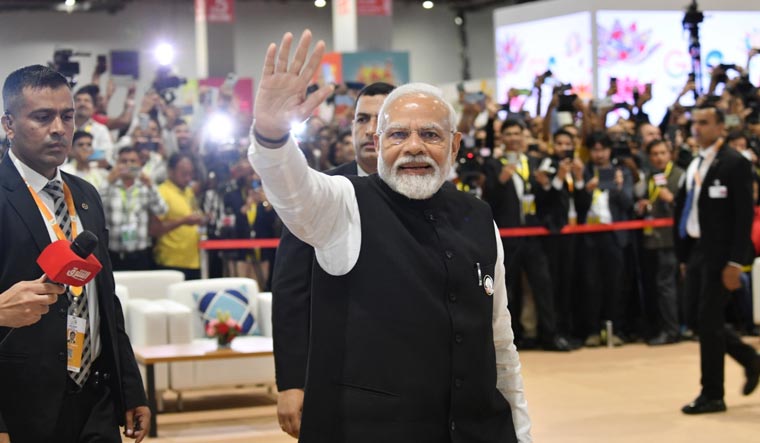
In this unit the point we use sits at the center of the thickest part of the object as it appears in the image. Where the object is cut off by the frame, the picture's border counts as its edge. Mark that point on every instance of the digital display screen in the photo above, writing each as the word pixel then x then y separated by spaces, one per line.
pixel 560 44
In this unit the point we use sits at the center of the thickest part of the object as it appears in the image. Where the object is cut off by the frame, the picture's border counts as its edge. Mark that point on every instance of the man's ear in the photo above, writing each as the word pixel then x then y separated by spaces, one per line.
pixel 456 142
pixel 7 125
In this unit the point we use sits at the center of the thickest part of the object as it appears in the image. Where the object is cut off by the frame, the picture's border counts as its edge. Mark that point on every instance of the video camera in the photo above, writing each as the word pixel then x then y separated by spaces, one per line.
pixel 63 65
pixel 165 83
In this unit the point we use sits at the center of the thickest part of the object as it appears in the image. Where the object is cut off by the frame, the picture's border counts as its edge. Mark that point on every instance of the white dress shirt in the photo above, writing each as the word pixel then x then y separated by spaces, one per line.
pixel 101 139
pixel 37 181
pixel 692 223
pixel 303 196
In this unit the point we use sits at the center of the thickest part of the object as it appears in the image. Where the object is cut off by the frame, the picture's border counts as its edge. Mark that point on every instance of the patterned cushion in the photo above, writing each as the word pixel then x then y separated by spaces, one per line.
pixel 234 301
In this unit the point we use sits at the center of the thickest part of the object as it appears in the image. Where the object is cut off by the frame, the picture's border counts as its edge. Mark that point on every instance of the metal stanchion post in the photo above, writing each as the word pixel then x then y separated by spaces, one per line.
pixel 204 264
pixel 608 326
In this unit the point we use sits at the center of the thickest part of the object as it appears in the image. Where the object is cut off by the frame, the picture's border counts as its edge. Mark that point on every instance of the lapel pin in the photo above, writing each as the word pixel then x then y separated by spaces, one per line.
pixel 488 285
pixel 85 206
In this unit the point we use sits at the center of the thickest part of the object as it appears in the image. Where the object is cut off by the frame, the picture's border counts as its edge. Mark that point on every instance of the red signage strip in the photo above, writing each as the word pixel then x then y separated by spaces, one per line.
pixel 532 231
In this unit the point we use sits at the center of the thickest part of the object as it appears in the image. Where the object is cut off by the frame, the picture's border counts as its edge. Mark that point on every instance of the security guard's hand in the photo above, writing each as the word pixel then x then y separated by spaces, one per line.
pixel 5 438
pixel 289 408
pixel 732 277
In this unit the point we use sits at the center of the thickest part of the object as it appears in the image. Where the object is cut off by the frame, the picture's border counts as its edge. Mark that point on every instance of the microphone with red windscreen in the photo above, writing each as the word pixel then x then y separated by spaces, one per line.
pixel 71 263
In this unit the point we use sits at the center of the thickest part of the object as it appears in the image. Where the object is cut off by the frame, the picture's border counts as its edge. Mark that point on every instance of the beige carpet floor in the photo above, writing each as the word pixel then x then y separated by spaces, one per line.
pixel 631 394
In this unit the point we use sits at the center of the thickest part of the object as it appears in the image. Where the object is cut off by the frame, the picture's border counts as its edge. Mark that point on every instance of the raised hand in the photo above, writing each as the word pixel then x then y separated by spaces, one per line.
pixel 281 98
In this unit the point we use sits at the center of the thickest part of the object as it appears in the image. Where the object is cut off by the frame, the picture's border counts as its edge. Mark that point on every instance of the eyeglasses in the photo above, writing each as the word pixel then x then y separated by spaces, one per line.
pixel 429 136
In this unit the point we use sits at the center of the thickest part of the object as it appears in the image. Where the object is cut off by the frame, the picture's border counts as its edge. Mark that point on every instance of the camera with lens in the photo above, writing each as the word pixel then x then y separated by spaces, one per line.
pixel 63 65
pixel 621 147
pixel 165 83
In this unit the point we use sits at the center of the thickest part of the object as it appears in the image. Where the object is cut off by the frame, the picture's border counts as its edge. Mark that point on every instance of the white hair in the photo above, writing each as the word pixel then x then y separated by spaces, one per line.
pixel 415 89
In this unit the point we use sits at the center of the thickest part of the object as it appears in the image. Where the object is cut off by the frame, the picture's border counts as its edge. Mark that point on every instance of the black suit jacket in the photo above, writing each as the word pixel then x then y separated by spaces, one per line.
pixel 556 214
pixel 33 372
pixel 291 303
pixel 505 203
pixel 620 202
pixel 725 223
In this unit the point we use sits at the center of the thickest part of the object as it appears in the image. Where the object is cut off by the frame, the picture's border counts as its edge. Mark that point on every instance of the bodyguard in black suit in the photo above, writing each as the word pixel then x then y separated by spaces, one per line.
pixel 41 400
pixel 291 282
pixel 713 223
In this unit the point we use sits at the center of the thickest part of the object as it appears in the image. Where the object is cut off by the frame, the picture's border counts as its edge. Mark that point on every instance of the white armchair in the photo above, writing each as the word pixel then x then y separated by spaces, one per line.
pixel 148 314
pixel 218 373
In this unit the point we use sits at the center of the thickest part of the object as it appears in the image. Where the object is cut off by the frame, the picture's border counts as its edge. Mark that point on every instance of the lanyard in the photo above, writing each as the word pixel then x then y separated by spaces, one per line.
pixel 597 192
pixel 49 217
pixel 524 171
pixel 654 191
pixel 128 203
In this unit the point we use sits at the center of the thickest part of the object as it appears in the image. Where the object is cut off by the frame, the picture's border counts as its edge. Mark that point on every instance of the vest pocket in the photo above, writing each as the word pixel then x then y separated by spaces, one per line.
pixel 367 404
pixel 368 390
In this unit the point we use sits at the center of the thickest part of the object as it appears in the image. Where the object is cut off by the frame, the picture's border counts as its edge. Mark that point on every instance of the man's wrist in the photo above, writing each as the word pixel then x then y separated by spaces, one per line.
pixel 736 265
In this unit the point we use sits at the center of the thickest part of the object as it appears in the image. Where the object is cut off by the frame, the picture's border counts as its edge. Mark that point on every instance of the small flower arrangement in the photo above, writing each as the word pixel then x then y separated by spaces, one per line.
pixel 223 328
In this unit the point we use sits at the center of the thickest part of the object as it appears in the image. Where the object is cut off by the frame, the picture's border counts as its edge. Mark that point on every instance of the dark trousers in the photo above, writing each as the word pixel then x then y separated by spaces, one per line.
pixel 87 415
pixel 715 339
pixel 132 261
pixel 560 252
pixel 190 274
pixel 603 258
pixel 660 297
pixel 527 255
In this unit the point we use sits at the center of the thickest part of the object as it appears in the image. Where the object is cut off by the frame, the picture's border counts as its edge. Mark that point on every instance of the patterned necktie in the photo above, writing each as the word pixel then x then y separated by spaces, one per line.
pixel 78 306
pixel 689 202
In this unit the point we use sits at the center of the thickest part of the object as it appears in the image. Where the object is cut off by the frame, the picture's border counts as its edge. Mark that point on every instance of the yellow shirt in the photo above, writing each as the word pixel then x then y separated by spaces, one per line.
pixel 178 248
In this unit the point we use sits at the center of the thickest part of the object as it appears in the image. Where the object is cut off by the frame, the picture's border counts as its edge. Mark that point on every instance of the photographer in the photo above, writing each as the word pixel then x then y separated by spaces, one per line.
pixel 84 109
pixel 79 165
pixel 131 203
pixel 659 258
pixel 519 195
pixel 568 184
pixel 610 189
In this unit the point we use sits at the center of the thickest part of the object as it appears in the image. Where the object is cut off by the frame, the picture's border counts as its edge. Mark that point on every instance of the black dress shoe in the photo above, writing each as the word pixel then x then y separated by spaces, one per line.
pixel 704 406
pixel 663 339
pixel 558 344
pixel 753 376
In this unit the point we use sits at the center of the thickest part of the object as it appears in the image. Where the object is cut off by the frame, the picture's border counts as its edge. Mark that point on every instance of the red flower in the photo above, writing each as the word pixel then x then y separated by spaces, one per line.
pixel 222 328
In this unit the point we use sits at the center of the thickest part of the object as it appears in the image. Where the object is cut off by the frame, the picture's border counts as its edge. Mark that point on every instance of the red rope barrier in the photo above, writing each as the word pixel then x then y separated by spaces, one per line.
pixel 531 231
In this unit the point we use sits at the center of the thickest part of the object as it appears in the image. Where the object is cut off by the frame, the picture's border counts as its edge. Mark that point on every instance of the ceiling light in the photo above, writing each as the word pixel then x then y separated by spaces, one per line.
pixel 164 54
pixel 70 2
pixel 428 4
pixel 320 3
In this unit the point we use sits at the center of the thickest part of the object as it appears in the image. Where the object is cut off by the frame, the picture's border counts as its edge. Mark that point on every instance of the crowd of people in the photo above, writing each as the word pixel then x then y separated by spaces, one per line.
pixel 167 182
pixel 568 166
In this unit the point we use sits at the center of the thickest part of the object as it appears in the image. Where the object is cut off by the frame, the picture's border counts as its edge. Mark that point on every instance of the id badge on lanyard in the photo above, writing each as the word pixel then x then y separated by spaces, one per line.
pixel 75 328
pixel 128 235
pixel 529 204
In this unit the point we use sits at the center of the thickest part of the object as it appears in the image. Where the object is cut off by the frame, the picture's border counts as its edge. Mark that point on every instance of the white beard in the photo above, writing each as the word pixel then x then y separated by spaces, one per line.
pixel 415 187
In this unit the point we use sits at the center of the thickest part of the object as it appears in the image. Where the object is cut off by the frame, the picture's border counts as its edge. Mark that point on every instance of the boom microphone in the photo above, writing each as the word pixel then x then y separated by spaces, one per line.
pixel 71 263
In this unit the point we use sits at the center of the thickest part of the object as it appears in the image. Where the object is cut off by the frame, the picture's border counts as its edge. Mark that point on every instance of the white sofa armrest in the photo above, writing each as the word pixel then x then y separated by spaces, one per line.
pixel 265 313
